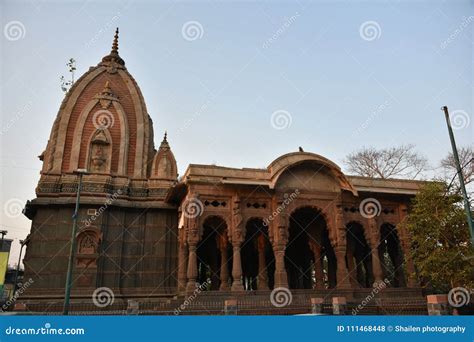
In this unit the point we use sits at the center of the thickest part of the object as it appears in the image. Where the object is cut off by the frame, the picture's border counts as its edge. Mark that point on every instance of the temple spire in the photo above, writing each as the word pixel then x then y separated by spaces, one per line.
pixel 115 42
pixel 113 57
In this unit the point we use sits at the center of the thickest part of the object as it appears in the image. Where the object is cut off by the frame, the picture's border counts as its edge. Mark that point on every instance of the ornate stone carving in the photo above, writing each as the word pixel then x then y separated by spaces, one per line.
pixel 191 217
pixel 106 96
pixel 237 219
pixel 88 240
pixel 100 152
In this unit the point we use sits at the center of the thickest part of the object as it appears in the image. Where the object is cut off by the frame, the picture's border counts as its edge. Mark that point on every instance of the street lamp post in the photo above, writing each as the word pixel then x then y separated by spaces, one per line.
pixel 67 293
pixel 467 206
pixel 3 233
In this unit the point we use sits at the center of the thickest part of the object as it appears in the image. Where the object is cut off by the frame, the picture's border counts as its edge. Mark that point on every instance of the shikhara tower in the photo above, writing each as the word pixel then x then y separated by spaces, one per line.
pixel 300 223
pixel 103 126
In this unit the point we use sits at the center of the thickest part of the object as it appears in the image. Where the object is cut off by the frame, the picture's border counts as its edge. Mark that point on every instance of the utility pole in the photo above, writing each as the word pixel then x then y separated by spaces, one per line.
pixel 70 266
pixel 467 206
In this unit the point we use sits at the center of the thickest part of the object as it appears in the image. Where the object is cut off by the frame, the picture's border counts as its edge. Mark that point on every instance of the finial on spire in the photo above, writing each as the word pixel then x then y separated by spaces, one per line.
pixel 164 144
pixel 113 59
pixel 115 43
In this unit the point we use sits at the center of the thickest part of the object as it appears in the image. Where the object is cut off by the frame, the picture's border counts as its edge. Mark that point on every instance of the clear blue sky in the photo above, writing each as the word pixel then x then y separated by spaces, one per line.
pixel 216 94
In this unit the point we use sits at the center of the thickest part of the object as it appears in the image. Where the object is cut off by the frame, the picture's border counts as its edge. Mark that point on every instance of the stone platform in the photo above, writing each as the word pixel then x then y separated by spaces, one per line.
pixel 359 301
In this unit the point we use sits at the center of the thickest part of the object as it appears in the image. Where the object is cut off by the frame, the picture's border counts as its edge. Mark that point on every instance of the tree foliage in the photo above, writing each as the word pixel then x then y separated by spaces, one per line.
pixel 441 248
pixel 66 84
pixel 394 162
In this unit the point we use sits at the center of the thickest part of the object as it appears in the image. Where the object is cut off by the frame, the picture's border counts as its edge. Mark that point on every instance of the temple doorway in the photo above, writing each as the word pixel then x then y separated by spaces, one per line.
pixel 391 256
pixel 309 257
pixel 358 257
pixel 258 261
pixel 214 255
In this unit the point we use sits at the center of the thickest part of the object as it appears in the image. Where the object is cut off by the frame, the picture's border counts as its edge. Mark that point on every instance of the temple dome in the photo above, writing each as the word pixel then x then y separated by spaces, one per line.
pixel 106 98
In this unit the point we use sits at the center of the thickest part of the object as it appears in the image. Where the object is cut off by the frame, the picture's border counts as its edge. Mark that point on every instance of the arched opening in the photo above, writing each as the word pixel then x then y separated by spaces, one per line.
pixel 213 254
pixel 358 256
pixel 309 257
pixel 391 256
pixel 258 261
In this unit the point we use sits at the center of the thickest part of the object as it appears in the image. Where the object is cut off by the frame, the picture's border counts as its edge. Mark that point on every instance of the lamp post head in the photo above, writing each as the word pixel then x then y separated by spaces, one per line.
pixel 81 171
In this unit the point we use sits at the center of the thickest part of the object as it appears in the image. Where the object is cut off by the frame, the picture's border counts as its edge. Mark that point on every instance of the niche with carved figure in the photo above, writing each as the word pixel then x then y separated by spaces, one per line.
pixel 88 241
pixel 100 152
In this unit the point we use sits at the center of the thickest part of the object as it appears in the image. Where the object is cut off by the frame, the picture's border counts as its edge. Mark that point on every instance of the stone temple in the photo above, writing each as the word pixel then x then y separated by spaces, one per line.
pixel 149 236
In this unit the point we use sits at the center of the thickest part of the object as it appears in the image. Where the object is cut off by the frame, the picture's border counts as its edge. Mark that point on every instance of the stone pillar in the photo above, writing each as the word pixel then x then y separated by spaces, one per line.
pixel 224 271
pixel 262 281
pixel 410 267
pixel 236 269
pixel 317 305
pixel 182 271
pixel 374 244
pixel 318 266
pixel 377 267
pixel 339 305
pixel 405 246
pixel 230 307
pixel 342 275
pixel 437 305
pixel 281 278
pixel 192 269
pixel 352 269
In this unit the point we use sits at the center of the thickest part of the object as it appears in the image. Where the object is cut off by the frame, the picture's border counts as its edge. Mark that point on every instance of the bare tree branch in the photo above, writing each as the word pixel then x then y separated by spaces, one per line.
pixel 466 154
pixel 395 162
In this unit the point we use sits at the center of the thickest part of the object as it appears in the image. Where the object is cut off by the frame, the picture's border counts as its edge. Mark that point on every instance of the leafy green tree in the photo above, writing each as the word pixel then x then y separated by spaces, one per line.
pixel 441 247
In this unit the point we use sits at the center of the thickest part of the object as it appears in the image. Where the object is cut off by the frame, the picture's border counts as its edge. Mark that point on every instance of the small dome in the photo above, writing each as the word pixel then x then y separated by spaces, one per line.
pixel 164 164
